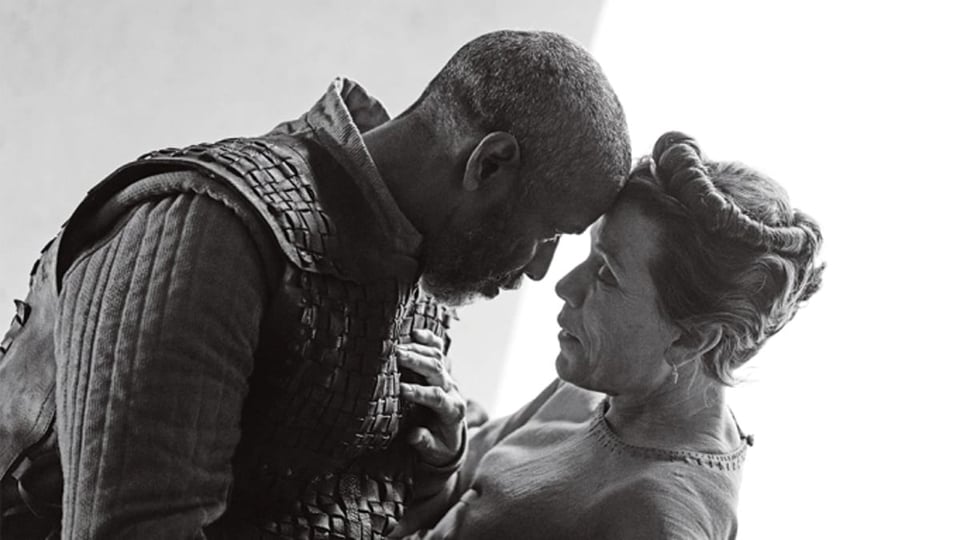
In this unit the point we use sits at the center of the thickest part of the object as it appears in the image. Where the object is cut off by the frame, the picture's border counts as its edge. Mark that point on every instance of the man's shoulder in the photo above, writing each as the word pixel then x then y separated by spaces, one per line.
pixel 273 178
pixel 102 214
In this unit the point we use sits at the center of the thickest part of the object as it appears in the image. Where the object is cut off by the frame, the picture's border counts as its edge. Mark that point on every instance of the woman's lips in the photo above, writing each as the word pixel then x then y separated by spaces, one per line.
pixel 564 335
pixel 568 342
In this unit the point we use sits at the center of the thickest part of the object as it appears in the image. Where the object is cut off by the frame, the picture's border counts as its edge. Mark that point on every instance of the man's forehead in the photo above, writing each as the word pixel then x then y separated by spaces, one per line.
pixel 572 223
pixel 577 209
pixel 573 228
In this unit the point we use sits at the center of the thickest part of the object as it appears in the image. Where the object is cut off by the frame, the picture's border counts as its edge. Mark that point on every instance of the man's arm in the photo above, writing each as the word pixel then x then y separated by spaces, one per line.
pixel 155 342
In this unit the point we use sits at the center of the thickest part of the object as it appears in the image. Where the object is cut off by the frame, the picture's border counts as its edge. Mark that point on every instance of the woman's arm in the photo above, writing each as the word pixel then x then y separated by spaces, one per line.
pixel 447 488
pixel 441 441
pixel 487 436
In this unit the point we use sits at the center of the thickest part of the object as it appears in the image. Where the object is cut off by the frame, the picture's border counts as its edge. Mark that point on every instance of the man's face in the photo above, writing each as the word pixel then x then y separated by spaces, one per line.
pixel 479 256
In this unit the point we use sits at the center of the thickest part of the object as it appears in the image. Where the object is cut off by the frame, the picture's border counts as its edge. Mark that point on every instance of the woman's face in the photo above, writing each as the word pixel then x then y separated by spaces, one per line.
pixel 614 338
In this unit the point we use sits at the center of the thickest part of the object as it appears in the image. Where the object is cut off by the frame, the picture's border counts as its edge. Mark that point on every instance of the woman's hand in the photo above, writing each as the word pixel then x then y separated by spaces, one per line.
pixel 440 440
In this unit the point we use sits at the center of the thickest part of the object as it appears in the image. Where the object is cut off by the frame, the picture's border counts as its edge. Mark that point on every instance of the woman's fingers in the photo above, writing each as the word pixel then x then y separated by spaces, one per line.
pixel 430 367
pixel 422 350
pixel 448 405
pixel 428 338
pixel 426 350
pixel 438 441
pixel 430 447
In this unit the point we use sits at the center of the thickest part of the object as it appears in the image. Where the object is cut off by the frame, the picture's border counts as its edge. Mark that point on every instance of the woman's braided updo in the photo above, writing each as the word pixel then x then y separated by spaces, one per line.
pixel 733 252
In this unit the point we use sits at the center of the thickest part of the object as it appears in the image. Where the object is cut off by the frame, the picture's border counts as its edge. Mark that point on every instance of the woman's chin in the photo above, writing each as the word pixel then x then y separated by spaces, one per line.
pixel 571 358
pixel 566 367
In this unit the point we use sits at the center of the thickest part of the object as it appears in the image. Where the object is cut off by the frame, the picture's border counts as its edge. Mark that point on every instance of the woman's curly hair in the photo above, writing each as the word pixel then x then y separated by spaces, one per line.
pixel 733 252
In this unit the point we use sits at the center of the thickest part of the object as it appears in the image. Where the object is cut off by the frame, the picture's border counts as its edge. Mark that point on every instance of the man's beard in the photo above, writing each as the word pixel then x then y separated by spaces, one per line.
pixel 457 276
pixel 457 290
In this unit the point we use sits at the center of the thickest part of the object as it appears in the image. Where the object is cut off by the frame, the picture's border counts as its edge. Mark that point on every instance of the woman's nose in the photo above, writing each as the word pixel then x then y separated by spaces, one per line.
pixel 570 287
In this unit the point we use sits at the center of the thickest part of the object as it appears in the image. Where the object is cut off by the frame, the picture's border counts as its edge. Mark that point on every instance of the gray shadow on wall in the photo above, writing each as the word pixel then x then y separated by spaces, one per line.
pixel 85 90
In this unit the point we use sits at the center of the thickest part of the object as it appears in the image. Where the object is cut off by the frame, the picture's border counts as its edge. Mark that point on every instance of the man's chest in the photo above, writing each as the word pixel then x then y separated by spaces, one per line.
pixel 327 371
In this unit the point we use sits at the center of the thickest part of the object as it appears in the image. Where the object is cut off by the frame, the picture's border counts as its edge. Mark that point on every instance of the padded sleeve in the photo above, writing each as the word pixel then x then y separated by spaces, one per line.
pixel 155 340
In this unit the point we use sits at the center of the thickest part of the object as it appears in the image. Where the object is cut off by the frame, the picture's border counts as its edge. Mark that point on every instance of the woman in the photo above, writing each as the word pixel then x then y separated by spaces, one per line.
pixel 689 274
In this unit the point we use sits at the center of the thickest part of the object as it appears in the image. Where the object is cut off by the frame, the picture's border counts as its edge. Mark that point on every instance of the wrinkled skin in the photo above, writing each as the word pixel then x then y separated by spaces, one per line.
pixel 614 337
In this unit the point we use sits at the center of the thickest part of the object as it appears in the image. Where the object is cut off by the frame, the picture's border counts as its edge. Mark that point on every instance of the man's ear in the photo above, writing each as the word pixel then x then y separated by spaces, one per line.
pixel 496 156
pixel 691 344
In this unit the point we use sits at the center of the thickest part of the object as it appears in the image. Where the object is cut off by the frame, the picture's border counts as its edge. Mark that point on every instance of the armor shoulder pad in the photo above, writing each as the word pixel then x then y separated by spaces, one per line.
pixel 271 177
pixel 274 179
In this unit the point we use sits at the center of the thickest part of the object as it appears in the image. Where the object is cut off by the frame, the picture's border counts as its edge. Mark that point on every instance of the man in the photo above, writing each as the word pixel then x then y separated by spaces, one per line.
pixel 222 321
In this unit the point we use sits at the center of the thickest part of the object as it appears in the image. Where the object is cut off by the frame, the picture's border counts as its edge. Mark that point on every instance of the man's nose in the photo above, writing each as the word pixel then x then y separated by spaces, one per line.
pixel 542 257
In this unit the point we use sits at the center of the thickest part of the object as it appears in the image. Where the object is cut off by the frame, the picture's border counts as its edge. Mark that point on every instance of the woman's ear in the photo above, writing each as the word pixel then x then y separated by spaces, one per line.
pixel 691 344
pixel 495 157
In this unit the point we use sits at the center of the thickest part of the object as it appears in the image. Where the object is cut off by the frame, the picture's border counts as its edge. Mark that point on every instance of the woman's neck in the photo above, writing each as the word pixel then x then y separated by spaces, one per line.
pixel 680 417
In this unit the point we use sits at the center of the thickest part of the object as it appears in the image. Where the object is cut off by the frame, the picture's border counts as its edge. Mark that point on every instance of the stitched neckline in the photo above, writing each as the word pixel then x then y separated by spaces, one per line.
pixel 608 439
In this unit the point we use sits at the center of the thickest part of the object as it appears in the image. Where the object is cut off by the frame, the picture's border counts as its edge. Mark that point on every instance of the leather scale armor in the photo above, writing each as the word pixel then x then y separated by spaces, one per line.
pixel 319 455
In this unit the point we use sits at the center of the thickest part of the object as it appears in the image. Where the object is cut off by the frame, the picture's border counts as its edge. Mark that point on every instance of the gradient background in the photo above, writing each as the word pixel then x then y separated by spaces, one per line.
pixel 852 106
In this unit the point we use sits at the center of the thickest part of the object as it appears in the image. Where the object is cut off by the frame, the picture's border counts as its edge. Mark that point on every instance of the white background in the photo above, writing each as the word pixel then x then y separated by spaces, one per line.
pixel 853 108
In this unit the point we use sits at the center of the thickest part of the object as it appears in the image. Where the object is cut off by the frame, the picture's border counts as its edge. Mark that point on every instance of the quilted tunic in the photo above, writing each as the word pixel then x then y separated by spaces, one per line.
pixel 317 454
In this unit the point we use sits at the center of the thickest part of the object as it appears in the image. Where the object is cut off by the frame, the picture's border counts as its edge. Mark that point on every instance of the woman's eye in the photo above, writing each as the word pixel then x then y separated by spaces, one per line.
pixel 605 275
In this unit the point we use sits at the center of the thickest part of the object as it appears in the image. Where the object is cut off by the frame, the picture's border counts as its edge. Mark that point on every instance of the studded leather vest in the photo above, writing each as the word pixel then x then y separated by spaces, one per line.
pixel 319 455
